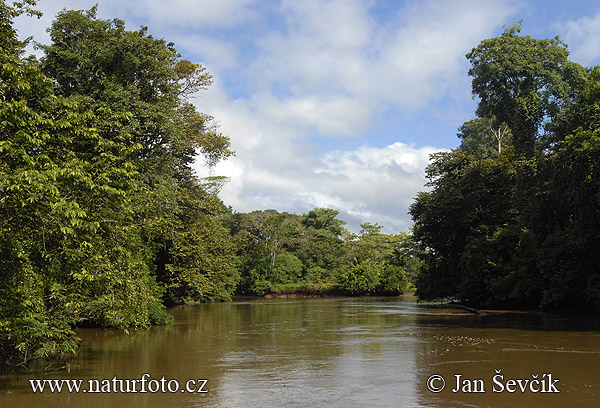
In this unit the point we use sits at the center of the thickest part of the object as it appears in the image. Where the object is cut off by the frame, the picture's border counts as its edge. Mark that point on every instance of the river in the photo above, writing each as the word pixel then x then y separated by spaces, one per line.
pixel 332 352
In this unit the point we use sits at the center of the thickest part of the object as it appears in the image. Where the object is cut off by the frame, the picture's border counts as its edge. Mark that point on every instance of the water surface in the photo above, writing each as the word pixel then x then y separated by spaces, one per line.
pixel 334 352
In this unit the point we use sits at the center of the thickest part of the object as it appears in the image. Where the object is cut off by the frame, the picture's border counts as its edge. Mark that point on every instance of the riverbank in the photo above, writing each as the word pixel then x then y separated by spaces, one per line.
pixel 310 290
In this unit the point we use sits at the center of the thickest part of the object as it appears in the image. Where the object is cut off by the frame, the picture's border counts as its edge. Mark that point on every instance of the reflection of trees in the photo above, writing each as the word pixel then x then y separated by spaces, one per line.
pixel 520 344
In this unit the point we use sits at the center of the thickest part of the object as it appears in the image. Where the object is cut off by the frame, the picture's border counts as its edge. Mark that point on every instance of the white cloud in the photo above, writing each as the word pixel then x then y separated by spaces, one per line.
pixel 276 167
pixel 321 46
pixel 184 14
pixel 582 37
pixel 330 70
pixel 333 116
pixel 179 21
pixel 366 184
pixel 220 53
pixel 375 184
pixel 291 73
pixel 32 26
pixel 338 47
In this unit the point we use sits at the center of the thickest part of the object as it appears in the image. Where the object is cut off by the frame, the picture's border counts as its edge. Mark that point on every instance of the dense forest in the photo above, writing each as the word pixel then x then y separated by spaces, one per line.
pixel 104 223
pixel 314 253
pixel 512 219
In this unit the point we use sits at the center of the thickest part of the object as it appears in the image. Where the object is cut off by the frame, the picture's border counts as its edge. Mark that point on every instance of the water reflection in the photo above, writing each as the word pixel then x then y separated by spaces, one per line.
pixel 332 353
pixel 519 346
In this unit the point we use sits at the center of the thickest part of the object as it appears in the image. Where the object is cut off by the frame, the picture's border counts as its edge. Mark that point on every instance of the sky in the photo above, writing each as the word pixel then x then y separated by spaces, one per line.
pixel 336 103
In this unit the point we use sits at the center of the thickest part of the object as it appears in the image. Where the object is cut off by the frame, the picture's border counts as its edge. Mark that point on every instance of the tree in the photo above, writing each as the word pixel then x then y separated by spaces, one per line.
pixel 95 181
pixel 471 197
pixel 71 252
pixel 571 218
pixel 196 260
pixel 287 269
pixel 261 238
pixel 324 219
pixel 281 248
pixel 362 278
pixel 377 262
pixel 27 193
pixel 523 81
pixel 517 227
pixel 321 247
pixel 106 68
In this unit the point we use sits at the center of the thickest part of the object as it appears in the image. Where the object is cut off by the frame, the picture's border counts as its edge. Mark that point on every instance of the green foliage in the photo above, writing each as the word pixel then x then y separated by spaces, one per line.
pixel 304 289
pixel 571 238
pixel 517 228
pixel 323 255
pixel 521 81
pixel 108 68
pixel 280 250
pixel 468 193
pixel 484 137
pixel 287 268
pixel 258 284
pixel 362 278
pixel 393 280
pixel 201 265
pixel 261 238
pixel 324 219
pixel 317 274
pixel 97 197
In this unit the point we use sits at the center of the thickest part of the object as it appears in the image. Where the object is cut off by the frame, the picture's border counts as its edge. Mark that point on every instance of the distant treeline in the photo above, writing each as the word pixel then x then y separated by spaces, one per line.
pixel 281 252
pixel 512 219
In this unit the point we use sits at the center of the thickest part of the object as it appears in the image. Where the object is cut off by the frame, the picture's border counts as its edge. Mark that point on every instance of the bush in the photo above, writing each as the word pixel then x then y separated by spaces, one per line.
pixel 288 268
pixel 361 279
pixel 261 287
pixel 316 274
pixel 393 281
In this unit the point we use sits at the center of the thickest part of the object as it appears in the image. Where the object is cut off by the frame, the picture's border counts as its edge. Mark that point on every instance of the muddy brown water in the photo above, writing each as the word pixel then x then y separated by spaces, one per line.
pixel 331 352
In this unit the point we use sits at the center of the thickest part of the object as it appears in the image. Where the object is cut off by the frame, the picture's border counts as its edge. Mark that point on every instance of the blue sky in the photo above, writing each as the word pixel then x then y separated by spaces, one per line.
pixel 337 103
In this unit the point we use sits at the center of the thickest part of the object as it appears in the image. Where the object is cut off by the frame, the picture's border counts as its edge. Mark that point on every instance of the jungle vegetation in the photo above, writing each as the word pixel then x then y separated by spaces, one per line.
pixel 512 217
pixel 104 223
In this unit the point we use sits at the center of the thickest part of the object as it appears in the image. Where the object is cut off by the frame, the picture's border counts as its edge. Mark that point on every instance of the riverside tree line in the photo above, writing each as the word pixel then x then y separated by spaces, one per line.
pixel 104 223
pixel 512 218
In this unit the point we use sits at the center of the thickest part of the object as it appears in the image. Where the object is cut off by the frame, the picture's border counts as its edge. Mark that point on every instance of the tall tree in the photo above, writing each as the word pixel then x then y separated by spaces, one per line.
pixel 106 68
pixel 484 137
pixel 523 81
pixel 471 197
pixel 96 178
pixel 516 228
pixel 71 251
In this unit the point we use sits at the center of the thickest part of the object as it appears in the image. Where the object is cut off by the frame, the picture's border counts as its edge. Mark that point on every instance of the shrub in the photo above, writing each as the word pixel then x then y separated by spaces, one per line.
pixel 361 279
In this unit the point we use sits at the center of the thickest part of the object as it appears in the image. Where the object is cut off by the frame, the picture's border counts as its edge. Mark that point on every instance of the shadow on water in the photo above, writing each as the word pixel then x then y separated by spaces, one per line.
pixel 530 320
